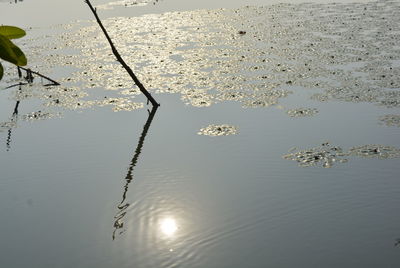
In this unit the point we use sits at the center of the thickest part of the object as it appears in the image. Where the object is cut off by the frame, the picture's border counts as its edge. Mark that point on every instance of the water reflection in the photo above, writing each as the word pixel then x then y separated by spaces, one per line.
pixel 123 205
pixel 13 121
pixel 168 227
pixel 14 118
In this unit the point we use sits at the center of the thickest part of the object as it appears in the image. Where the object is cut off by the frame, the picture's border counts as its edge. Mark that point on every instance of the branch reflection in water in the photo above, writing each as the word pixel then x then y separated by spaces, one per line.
pixel 14 119
pixel 123 205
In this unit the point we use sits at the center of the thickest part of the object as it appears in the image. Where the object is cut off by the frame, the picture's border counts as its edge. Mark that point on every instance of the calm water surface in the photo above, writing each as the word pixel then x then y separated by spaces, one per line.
pixel 276 143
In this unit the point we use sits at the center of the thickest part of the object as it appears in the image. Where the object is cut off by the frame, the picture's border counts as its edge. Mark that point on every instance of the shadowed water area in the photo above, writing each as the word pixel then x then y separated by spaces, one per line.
pixel 276 143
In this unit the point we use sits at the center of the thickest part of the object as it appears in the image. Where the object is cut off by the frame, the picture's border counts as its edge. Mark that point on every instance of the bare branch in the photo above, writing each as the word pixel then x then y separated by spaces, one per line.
pixel 119 58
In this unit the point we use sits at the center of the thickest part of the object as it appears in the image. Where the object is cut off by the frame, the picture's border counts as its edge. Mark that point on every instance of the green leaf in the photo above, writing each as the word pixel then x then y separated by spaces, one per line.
pixel 1 71
pixel 11 53
pixel 12 32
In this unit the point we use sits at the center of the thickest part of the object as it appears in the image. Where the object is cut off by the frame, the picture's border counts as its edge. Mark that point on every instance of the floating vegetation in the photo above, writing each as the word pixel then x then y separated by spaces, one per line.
pixel 255 56
pixel 127 106
pixel 130 92
pixel 119 104
pixel 300 112
pixel 7 125
pixel 391 120
pixel 267 98
pixel 338 49
pixel 126 3
pixel 375 151
pixel 327 154
pixel 197 98
pixel 231 96
pixel 218 130
pixel 259 103
pixel 39 115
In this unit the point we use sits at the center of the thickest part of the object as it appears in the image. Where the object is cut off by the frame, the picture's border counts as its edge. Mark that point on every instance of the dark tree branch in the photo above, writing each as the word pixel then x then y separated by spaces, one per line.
pixel 119 58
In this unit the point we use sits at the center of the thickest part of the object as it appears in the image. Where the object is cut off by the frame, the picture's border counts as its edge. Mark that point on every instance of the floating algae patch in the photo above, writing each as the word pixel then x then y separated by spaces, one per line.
pixel 375 151
pixel 127 3
pixel 302 112
pixel 127 106
pixel 231 96
pixel 256 56
pixel 327 155
pixel 259 103
pixel 7 125
pixel 130 92
pixel 118 104
pixel 338 49
pixel 39 115
pixel 391 120
pixel 197 98
pixel 218 130
pixel 265 99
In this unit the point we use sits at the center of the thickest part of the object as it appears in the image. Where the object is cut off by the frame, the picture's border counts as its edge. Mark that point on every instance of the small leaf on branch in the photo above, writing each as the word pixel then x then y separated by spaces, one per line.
pixel 1 71
pixel 11 53
pixel 12 32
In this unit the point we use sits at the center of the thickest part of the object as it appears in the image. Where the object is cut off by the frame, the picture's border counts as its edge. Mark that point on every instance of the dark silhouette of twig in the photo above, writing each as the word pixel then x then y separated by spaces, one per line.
pixel 19 72
pixel 119 58
pixel 15 113
pixel 14 117
pixel 29 76
pixel 8 141
pixel 19 84
pixel 122 206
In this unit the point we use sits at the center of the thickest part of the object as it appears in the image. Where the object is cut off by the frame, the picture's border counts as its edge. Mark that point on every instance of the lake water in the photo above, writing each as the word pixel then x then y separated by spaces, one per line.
pixel 276 143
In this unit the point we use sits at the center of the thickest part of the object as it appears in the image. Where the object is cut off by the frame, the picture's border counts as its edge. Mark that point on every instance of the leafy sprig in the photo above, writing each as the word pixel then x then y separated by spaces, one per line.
pixel 8 50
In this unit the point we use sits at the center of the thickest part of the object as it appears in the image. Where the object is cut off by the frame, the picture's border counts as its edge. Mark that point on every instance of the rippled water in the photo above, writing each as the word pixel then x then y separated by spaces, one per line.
pixel 276 143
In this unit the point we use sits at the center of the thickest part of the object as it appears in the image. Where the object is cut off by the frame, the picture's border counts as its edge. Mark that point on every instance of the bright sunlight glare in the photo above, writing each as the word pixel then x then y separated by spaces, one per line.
pixel 168 226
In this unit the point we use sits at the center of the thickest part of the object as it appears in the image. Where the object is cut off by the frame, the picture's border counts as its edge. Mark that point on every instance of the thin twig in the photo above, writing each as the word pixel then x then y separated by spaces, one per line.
pixel 119 58
pixel 55 83
pixel 19 72
pixel 19 84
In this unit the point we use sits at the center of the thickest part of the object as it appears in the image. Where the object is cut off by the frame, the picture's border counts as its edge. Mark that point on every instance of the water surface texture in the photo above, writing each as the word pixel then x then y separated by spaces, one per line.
pixel 276 143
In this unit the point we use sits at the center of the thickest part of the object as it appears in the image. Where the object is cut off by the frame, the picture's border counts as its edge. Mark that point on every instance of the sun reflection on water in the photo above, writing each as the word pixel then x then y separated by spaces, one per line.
pixel 168 227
